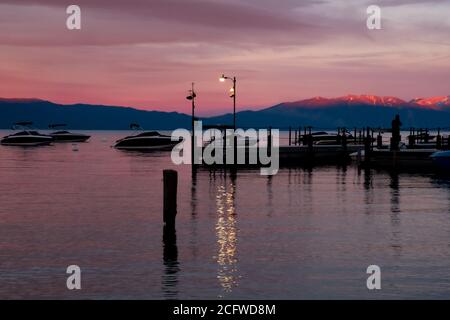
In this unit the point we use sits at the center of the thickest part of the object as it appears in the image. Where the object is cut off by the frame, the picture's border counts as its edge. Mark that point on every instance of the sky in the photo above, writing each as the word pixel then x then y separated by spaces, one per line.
pixel 146 53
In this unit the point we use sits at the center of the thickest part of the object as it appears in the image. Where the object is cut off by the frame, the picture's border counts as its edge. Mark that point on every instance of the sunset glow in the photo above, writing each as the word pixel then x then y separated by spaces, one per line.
pixel 145 54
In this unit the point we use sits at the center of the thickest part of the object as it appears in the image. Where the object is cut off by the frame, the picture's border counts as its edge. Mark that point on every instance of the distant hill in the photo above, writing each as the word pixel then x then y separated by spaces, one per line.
pixel 348 111
pixel 86 117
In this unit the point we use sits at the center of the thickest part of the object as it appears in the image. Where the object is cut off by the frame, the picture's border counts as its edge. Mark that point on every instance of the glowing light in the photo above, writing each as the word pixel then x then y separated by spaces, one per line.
pixel 226 231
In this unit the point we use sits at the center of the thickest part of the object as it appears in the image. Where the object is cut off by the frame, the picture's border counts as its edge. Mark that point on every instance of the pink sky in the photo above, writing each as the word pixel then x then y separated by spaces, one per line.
pixel 145 53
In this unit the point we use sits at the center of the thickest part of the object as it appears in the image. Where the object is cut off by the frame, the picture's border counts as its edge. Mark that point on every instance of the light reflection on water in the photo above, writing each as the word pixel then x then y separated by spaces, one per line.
pixel 227 235
pixel 302 234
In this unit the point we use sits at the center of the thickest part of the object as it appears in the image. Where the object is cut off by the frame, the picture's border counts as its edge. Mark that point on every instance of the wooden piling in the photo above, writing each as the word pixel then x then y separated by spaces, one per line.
pixel 170 178
pixel 367 146
pixel 310 141
pixel 290 136
pixel 439 140
pixel 344 141
pixel 269 143
pixel 299 134
pixel 305 140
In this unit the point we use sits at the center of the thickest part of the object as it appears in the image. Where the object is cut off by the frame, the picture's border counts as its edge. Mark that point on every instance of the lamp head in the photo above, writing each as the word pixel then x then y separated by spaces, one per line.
pixel 222 78
pixel 192 95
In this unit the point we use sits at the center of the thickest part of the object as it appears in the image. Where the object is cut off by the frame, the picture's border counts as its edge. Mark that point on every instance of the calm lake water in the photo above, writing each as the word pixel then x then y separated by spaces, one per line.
pixel 302 234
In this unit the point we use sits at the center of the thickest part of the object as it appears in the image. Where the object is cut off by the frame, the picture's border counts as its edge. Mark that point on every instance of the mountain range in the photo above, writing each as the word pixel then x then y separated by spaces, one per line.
pixel 347 111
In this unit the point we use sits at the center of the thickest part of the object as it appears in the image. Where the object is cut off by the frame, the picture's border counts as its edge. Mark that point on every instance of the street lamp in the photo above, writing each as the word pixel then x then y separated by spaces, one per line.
pixel 191 97
pixel 223 78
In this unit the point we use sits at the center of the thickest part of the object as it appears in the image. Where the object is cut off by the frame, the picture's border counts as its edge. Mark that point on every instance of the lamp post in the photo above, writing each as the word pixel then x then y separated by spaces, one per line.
pixel 192 95
pixel 223 78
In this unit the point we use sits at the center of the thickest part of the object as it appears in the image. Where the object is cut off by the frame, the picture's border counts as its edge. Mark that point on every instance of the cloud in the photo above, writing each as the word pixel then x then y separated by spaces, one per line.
pixel 146 52
pixel 141 21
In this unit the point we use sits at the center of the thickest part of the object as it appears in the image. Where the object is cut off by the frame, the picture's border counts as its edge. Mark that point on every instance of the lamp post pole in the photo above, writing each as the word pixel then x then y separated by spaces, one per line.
pixel 234 103
pixel 233 92
pixel 193 127
pixel 192 95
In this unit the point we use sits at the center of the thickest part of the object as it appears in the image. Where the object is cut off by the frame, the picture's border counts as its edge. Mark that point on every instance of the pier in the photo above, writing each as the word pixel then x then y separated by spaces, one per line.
pixel 368 147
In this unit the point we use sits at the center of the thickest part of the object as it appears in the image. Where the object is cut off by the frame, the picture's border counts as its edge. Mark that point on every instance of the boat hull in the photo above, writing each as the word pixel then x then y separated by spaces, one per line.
pixel 70 138
pixel 145 144
pixel 26 141
pixel 442 160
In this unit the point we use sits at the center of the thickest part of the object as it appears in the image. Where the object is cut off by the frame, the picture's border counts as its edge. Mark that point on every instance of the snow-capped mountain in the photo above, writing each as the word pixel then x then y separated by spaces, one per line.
pixel 434 102
pixel 369 100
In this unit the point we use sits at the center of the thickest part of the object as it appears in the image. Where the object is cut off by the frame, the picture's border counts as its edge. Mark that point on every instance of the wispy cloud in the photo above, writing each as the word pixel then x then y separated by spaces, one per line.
pixel 146 53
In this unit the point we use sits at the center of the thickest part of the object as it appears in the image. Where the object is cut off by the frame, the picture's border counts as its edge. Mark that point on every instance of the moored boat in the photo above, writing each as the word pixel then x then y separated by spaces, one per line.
pixel 26 137
pixel 67 136
pixel 151 140
pixel 441 160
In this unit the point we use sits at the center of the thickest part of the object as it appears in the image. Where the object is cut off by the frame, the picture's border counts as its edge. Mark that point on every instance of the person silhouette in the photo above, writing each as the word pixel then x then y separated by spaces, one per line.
pixel 396 137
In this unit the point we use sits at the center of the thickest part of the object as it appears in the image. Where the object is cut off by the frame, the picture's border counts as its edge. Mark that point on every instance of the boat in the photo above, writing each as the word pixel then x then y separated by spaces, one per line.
pixel 26 136
pixel 67 136
pixel 151 140
pixel 324 138
pixel 441 160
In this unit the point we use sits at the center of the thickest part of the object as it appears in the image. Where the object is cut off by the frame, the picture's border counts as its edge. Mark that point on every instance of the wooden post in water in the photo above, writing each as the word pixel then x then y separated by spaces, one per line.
pixel 170 178
pixel 439 140
pixel 305 140
pixel 367 146
pixel 299 134
pixel 269 143
pixel 344 141
pixel 290 135
pixel 411 137
pixel 372 132
pixel 310 141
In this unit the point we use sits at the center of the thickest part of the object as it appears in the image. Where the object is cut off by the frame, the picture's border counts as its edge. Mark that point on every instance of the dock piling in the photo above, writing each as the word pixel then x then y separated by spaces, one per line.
pixel 367 146
pixel 170 178
pixel 439 140
pixel 290 136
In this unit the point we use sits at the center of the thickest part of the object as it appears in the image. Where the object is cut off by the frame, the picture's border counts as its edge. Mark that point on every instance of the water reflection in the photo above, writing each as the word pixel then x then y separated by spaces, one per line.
pixel 194 201
pixel 396 243
pixel 395 194
pixel 369 189
pixel 226 232
pixel 269 196
pixel 171 264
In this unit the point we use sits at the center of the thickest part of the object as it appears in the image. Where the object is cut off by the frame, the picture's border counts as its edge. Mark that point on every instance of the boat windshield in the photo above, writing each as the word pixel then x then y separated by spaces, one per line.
pixel 60 132
pixel 23 133
pixel 149 134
